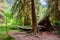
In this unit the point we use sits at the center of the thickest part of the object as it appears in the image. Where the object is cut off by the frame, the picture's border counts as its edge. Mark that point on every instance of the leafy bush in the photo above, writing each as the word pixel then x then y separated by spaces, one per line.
pixel 58 25
pixel 58 32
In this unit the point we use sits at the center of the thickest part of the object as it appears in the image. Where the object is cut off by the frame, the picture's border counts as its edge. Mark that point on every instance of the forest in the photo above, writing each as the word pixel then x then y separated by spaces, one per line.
pixel 29 19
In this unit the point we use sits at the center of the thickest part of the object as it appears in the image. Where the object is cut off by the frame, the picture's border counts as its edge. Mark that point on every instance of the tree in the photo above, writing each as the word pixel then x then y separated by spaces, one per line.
pixel 23 10
pixel 34 21
pixel 53 9
pixel 27 16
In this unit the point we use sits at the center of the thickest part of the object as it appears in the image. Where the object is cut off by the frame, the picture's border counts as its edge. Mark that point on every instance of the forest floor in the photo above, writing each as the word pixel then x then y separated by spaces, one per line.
pixel 44 36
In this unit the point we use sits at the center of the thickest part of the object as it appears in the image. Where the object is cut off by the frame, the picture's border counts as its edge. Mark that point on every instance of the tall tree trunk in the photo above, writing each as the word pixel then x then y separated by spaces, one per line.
pixel 34 21
pixel 56 14
pixel 54 9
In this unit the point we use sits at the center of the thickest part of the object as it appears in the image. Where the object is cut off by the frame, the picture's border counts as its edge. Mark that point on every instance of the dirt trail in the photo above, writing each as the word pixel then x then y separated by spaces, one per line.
pixel 25 36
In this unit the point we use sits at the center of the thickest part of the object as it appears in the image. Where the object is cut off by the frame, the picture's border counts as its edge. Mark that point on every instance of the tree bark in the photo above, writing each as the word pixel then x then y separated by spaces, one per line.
pixel 34 21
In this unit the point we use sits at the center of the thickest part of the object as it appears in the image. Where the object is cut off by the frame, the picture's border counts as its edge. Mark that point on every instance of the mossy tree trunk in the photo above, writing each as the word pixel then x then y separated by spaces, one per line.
pixel 27 13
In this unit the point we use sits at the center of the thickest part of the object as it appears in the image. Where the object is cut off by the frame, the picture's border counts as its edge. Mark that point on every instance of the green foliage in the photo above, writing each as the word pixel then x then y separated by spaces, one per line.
pixel 7 38
pixel 3 33
pixel 58 32
pixel 55 22
pixel 10 20
pixel 58 25
pixel 7 14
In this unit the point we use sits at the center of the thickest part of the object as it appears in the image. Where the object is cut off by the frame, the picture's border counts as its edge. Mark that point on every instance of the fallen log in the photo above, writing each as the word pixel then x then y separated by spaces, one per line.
pixel 28 29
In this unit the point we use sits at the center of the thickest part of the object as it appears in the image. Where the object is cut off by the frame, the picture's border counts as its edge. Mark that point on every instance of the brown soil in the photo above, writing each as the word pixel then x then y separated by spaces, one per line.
pixel 39 36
